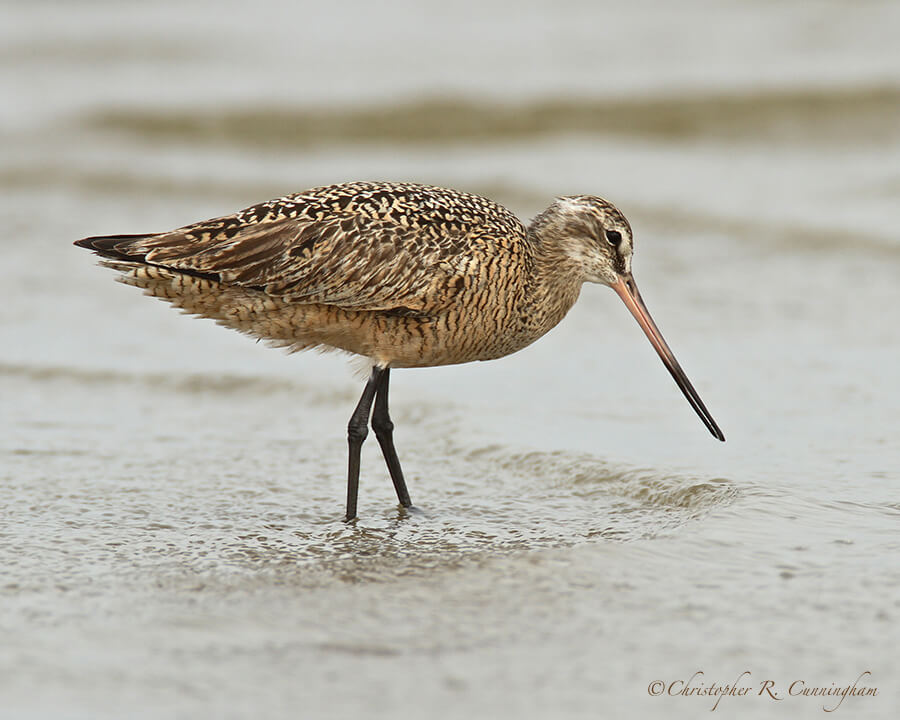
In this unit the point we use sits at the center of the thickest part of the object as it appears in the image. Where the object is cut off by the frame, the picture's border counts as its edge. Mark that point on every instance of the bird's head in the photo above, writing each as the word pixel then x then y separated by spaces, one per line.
pixel 594 236
pixel 592 232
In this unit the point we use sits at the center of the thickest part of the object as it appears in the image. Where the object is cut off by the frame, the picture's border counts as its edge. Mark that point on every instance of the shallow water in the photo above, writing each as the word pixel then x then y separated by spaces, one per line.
pixel 171 542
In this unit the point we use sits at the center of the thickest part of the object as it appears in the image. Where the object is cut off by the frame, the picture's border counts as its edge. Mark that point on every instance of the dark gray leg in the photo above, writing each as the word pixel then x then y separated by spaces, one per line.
pixel 357 429
pixel 384 431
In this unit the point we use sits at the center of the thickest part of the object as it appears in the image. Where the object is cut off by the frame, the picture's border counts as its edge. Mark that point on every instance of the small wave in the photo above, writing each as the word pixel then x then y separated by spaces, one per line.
pixel 181 383
pixel 865 114
pixel 587 476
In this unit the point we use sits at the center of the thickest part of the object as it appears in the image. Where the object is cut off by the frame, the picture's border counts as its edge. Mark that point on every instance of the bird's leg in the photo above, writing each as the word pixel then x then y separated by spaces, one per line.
pixel 357 429
pixel 384 431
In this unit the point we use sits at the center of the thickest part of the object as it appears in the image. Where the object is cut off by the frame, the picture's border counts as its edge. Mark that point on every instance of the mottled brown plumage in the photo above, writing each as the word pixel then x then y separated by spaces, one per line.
pixel 407 275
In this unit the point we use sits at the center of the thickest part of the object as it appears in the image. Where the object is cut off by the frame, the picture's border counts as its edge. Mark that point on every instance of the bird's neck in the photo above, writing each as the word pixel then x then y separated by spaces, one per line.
pixel 554 283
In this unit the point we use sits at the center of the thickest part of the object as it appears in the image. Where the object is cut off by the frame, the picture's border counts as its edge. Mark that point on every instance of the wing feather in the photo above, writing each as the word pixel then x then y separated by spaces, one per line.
pixel 305 251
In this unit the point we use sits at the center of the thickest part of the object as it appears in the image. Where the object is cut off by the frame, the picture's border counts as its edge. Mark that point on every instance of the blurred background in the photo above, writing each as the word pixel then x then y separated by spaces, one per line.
pixel 171 493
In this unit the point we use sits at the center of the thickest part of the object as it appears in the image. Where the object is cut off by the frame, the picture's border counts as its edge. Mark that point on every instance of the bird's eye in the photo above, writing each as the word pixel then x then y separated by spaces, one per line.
pixel 613 237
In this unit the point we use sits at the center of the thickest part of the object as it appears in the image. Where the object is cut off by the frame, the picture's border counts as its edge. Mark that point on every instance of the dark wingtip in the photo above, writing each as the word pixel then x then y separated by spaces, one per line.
pixel 103 244
pixel 120 248
pixel 110 246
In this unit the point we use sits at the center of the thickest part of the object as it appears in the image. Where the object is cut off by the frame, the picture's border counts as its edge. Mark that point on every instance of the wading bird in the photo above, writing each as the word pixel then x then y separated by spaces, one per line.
pixel 405 275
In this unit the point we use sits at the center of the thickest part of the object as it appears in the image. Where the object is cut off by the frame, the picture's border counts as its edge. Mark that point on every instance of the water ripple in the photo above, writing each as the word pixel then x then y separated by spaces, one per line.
pixel 807 115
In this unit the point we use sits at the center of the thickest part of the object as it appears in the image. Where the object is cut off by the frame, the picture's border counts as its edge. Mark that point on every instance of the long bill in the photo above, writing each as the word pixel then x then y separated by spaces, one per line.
pixel 628 291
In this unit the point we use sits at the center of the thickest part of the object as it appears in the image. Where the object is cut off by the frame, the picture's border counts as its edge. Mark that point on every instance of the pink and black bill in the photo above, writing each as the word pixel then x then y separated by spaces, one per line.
pixel 627 290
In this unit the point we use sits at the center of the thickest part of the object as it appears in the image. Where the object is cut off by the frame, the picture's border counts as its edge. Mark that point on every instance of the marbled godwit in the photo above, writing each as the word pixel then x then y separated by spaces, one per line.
pixel 405 275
